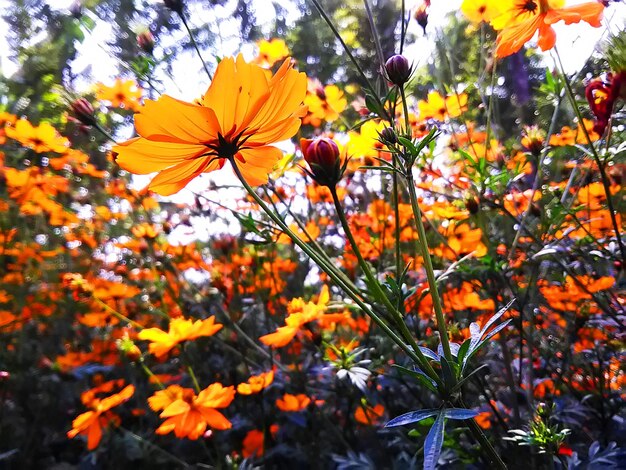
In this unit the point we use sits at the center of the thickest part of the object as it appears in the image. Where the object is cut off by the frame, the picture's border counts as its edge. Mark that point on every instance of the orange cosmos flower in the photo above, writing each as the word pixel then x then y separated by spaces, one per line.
pixel 522 18
pixel 240 114
pixel 42 138
pixel 293 402
pixel 368 415
pixel 92 422
pixel 180 330
pixel 189 415
pixel 256 383
pixel 300 313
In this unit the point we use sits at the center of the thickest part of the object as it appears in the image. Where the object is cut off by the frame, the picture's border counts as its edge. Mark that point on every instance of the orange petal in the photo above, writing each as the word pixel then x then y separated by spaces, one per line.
pixel 177 121
pixel 142 156
pixel 511 39
pixel 172 180
pixel 590 12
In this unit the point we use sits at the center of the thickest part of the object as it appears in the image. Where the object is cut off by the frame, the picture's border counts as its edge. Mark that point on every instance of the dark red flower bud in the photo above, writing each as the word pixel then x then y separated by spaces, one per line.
pixel 83 111
pixel 398 70
pixel 174 5
pixel 472 205
pixel 323 157
pixel 421 15
pixel 145 41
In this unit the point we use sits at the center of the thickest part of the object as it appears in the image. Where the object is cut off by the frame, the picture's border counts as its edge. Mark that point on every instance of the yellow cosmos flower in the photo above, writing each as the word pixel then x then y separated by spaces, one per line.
pixel 242 112
pixel 271 52
pixel 478 11
pixel 180 330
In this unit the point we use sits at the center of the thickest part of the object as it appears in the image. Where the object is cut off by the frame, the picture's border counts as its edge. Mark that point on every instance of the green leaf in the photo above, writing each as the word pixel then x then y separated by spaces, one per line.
pixel 449 377
pixel 411 417
pixel 460 413
pixel 434 442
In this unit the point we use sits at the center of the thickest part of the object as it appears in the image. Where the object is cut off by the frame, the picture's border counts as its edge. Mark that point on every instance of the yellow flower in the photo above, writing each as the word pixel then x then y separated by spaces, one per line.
pixel 439 108
pixel 189 415
pixel 122 94
pixel 478 11
pixel 271 52
pixel 180 330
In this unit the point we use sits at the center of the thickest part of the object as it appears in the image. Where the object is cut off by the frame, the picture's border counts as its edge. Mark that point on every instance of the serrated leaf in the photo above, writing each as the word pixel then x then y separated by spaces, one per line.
pixel 411 417
pixel 434 442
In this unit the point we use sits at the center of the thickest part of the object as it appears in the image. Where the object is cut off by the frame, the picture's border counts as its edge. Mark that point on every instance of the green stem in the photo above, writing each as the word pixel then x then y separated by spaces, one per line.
pixel 428 266
pixel 596 157
pixel 347 50
pixel 118 314
pixel 150 374
pixel 372 281
pixel 415 354
pixel 423 247
pixel 479 435
pixel 195 45
pixel 155 447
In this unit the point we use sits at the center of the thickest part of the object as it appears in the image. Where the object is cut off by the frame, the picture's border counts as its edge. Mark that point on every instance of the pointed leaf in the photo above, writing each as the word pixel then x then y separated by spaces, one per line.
pixel 493 319
pixel 449 377
pixel 434 442
pixel 467 377
pixel 411 417
pixel 463 351
pixel 429 353
pixel 460 413
pixel 420 376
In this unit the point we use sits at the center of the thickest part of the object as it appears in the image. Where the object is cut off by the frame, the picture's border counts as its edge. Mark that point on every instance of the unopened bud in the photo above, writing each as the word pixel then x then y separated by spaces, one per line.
pixel 83 111
pixel 145 41
pixel 323 157
pixel 388 136
pixel 472 205
pixel 421 15
pixel 76 9
pixel 398 70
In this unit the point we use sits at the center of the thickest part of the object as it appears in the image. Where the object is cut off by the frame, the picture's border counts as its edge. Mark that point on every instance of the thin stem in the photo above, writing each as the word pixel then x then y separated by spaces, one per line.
pixel 195 45
pixel 118 315
pixel 104 132
pixel 416 355
pixel 423 246
pixel 370 18
pixel 155 447
pixel 347 50
pixel 194 379
pixel 430 272
pixel 479 435
pixel 372 281
pixel 596 157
